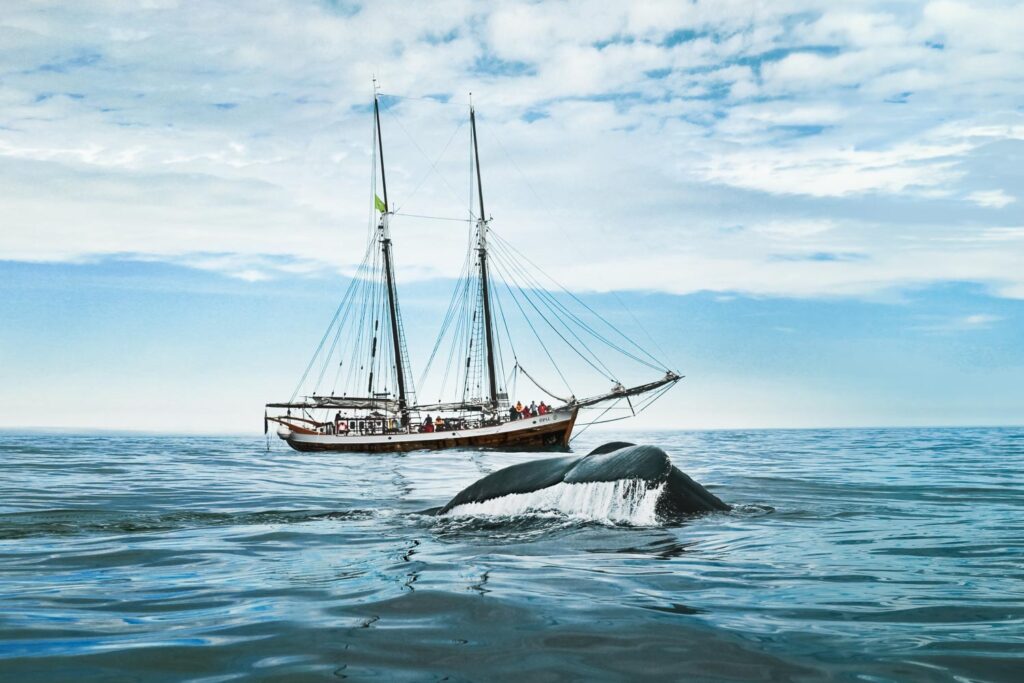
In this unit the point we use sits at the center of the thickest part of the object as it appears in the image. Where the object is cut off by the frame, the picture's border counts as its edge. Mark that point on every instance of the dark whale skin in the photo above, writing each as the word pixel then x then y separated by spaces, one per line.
pixel 648 463
pixel 610 446
pixel 684 496
pixel 610 462
pixel 522 478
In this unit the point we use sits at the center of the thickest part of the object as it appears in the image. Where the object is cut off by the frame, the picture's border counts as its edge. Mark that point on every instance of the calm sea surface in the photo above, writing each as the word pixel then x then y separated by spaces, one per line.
pixel 852 555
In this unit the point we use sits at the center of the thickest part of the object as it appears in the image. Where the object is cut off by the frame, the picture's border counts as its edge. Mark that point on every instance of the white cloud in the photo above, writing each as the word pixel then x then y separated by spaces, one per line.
pixel 250 275
pixel 824 171
pixel 981 25
pixel 995 199
pixel 673 146
pixel 980 320
pixel 960 324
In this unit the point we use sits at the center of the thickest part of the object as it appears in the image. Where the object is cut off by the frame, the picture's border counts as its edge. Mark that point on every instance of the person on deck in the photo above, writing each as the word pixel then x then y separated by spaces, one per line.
pixel 513 414
pixel 438 424
pixel 519 408
pixel 428 425
pixel 526 413
pixel 542 409
pixel 533 408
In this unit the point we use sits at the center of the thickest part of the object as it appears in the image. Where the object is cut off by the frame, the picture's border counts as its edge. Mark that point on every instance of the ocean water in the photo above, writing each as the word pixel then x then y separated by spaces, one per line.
pixel 851 555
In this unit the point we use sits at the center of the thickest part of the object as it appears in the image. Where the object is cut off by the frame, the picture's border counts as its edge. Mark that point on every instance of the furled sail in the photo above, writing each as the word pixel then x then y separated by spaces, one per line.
pixel 339 403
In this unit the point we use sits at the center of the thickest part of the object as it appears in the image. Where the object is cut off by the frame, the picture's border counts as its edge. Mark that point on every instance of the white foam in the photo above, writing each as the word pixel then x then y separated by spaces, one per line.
pixel 626 501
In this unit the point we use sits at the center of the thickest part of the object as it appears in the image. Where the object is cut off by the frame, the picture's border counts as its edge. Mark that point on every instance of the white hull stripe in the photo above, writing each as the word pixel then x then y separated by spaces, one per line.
pixel 525 425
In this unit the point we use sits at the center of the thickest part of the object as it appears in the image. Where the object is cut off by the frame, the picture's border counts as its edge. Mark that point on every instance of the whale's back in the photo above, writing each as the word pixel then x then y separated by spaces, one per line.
pixel 646 463
pixel 643 474
pixel 522 478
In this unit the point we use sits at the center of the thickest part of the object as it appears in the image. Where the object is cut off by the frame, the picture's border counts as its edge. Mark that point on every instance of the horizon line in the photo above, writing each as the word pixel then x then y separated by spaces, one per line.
pixel 100 431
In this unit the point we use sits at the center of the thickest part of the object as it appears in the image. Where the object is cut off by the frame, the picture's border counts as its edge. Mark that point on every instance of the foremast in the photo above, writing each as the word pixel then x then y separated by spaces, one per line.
pixel 481 225
pixel 384 235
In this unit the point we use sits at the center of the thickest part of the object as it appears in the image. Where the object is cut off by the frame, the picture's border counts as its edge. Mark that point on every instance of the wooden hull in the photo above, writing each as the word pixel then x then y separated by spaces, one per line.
pixel 548 432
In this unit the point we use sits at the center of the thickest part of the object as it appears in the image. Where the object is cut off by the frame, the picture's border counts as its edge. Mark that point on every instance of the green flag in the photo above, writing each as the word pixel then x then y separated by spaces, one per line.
pixel 381 206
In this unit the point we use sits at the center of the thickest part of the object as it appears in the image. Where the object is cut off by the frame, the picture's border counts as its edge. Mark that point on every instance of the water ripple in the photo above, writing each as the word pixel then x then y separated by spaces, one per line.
pixel 861 555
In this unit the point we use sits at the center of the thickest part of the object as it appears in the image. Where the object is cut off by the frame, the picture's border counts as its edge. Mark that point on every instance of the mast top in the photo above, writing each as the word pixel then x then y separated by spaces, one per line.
pixel 476 156
pixel 380 149
pixel 492 381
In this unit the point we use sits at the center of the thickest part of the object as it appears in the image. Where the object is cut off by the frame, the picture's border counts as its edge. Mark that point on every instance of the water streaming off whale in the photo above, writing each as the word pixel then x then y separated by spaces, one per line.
pixel 626 501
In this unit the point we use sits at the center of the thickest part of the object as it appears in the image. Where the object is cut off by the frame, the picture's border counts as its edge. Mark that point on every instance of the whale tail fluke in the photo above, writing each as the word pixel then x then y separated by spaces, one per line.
pixel 618 482
pixel 610 446
pixel 684 496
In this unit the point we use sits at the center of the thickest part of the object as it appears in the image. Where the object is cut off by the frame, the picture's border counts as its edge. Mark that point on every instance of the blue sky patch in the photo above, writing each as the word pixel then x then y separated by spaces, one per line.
pixel 66 65
pixel 493 66
pixel 681 35
pixel 823 256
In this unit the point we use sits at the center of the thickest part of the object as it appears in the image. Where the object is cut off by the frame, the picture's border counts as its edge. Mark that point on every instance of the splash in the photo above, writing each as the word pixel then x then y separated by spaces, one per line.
pixel 626 501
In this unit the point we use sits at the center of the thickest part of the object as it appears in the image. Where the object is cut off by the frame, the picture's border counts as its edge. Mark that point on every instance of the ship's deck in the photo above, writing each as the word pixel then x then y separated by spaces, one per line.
pixel 550 431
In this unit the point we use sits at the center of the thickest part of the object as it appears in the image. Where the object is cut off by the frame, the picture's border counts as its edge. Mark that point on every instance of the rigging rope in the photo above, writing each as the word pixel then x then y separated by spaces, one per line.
pixel 433 218
pixel 516 252
pixel 591 424
pixel 523 370
pixel 544 300
pixel 353 284
pixel 555 329
pixel 334 342
pixel 537 335
pixel 446 321
pixel 664 363
pixel 420 149
pixel 558 226
pixel 433 166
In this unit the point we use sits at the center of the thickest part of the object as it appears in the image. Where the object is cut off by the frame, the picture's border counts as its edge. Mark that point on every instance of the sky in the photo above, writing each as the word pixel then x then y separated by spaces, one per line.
pixel 815 211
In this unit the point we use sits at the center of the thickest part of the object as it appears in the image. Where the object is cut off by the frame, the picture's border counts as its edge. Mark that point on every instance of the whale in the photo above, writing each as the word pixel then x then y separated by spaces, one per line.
pixel 620 481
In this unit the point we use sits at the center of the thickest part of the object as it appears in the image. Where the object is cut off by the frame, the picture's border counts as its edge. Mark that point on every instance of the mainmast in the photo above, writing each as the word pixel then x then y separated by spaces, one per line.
pixel 385 241
pixel 484 281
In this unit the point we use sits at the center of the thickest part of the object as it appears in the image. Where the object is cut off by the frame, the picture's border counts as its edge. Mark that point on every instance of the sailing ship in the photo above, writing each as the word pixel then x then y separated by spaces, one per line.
pixel 371 405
